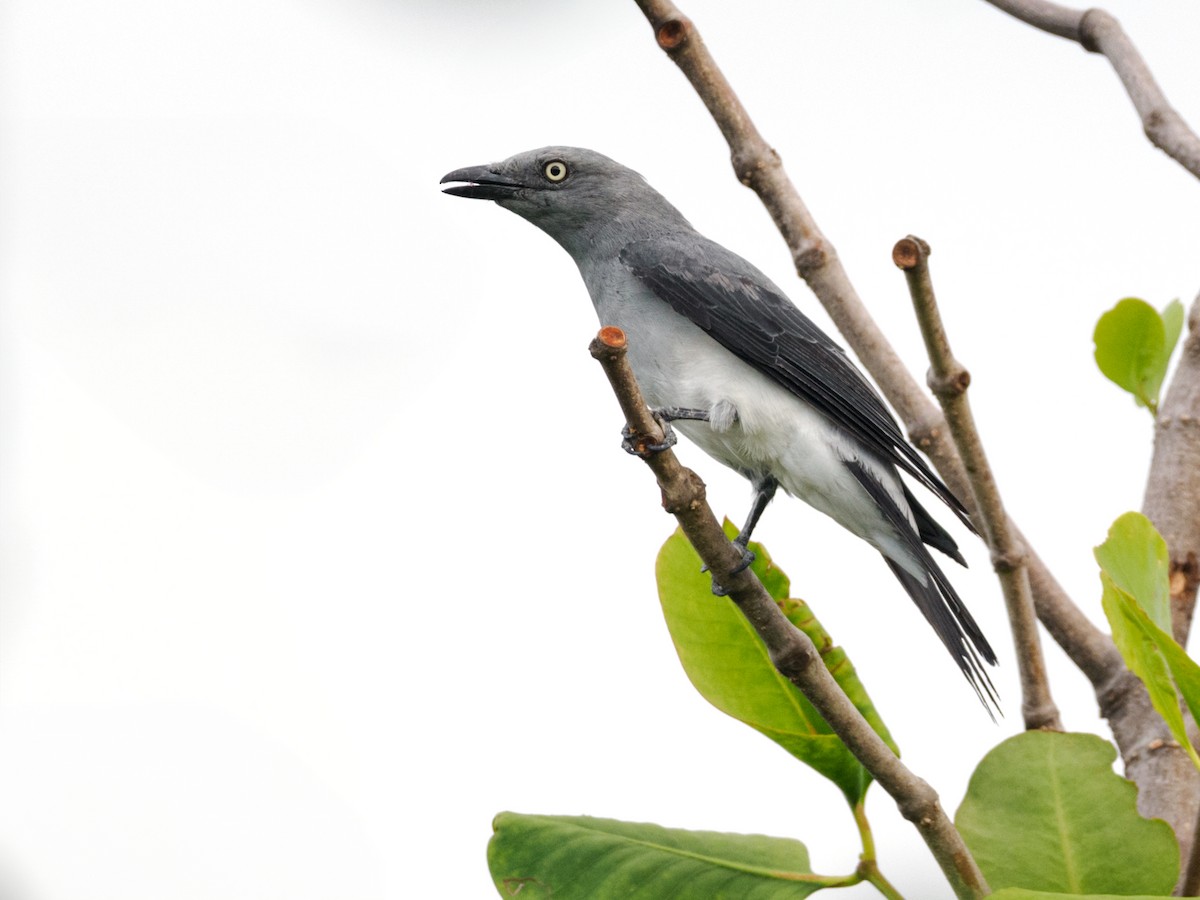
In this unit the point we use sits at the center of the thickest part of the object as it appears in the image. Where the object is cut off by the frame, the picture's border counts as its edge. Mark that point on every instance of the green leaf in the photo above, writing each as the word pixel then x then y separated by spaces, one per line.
pixel 1133 345
pixel 729 666
pixel 1184 671
pixel 1134 574
pixel 567 857
pixel 1154 657
pixel 1172 316
pixel 1135 557
pixel 1045 811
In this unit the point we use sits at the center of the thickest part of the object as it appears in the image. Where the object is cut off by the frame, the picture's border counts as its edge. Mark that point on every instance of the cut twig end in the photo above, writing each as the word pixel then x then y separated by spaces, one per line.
pixel 612 336
pixel 909 252
pixel 608 344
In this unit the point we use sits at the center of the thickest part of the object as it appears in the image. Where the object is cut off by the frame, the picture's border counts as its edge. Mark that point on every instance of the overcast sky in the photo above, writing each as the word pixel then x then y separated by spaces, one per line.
pixel 318 546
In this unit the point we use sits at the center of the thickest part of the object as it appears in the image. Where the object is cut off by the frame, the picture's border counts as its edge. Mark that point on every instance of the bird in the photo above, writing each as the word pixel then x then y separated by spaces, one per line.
pixel 721 352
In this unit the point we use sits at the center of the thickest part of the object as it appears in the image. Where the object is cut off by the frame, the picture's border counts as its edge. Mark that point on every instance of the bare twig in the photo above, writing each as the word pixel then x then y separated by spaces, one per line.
pixel 949 380
pixel 1099 32
pixel 792 652
pixel 1051 17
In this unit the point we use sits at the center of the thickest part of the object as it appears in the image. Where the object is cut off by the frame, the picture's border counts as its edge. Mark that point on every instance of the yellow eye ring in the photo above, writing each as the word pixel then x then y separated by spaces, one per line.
pixel 555 171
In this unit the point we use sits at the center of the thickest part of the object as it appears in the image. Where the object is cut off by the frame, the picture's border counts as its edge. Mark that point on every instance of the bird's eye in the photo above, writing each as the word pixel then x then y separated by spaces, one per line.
pixel 555 170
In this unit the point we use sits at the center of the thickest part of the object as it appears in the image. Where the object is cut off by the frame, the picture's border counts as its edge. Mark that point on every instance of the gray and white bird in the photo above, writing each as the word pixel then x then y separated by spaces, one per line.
pixel 721 350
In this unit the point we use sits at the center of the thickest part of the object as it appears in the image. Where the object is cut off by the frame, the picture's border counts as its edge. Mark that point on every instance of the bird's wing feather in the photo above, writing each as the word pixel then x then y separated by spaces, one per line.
pixel 742 310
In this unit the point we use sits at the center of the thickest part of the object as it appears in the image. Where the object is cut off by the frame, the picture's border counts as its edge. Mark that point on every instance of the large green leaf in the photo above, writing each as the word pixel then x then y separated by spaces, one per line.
pixel 1045 811
pixel 730 667
pixel 1133 345
pixel 566 857
pixel 1136 558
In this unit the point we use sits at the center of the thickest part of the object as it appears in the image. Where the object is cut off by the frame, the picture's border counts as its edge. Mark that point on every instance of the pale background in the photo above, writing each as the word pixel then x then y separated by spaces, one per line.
pixel 318 546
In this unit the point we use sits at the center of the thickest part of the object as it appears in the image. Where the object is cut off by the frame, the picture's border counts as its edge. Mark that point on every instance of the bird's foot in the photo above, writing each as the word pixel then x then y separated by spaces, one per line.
pixel 748 557
pixel 634 443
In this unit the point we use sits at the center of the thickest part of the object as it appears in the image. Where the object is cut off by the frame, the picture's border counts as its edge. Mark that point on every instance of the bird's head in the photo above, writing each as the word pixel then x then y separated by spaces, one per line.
pixel 576 196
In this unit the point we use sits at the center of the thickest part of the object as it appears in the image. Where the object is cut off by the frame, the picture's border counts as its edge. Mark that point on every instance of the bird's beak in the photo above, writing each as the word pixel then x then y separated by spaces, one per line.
pixel 482 183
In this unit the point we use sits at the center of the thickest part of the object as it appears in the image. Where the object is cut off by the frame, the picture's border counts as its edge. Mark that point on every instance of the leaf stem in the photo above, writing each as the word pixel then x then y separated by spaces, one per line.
pixel 885 887
pixel 825 881
pixel 864 830
pixel 868 866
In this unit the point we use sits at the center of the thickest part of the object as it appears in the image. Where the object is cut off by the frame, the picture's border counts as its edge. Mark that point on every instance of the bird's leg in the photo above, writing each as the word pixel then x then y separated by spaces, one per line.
pixel 663 416
pixel 764 492
pixel 764 486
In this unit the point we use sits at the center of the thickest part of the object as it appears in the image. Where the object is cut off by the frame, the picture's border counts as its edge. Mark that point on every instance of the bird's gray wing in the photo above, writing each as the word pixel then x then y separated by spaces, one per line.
pixel 739 307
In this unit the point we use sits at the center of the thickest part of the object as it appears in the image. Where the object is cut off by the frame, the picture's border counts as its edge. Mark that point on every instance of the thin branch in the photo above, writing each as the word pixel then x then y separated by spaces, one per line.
pixel 759 168
pixel 949 380
pixel 1060 20
pixel 791 651
pixel 1099 32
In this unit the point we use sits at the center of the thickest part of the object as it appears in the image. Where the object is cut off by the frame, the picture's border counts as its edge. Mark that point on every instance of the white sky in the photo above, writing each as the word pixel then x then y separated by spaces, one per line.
pixel 318 546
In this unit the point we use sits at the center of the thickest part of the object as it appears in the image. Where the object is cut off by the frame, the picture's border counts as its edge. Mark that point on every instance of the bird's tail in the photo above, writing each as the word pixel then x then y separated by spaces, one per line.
pixel 934 596
pixel 950 618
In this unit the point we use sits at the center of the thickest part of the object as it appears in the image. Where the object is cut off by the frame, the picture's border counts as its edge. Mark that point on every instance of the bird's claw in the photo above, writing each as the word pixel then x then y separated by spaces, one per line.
pixel 748 556
pixel 633 443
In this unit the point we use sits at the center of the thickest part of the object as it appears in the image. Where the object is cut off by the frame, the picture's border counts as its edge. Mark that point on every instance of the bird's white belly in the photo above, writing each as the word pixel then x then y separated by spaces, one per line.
pixel 774 433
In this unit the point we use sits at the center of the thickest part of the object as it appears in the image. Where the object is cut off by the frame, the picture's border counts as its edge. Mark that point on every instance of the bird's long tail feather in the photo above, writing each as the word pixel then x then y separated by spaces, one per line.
pixel 953 623
pixel 934 596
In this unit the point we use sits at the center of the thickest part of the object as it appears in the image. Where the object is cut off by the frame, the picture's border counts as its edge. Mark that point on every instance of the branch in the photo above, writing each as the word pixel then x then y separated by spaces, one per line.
pixel 759 168
pixel 1170 785
pixel 1099 32
pixel 792 652
pixel 1173 486
pixel 949 380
